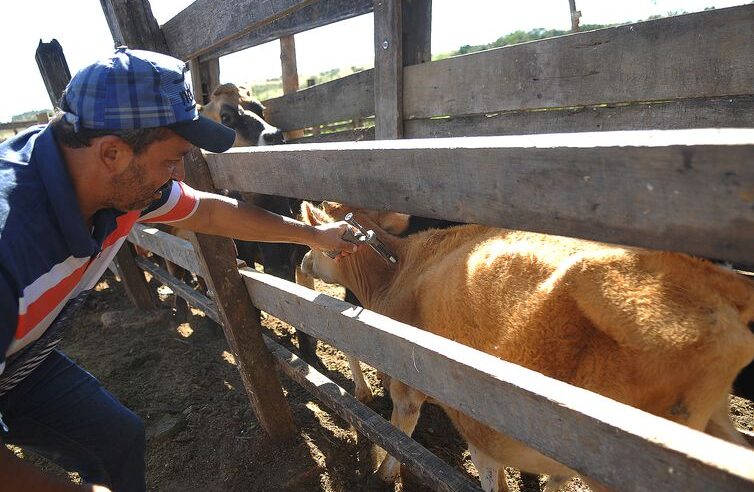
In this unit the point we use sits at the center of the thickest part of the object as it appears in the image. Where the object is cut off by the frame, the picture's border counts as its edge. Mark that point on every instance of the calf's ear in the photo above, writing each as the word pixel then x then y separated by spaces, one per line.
pixel 393 222
pixel 332 208
pixel 312 215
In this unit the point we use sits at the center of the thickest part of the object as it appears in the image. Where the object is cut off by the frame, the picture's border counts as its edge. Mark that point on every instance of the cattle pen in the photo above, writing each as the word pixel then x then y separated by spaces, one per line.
pixel 639 135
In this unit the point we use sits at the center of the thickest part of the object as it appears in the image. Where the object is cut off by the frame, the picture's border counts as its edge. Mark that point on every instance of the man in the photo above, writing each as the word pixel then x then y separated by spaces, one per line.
pixel 70 192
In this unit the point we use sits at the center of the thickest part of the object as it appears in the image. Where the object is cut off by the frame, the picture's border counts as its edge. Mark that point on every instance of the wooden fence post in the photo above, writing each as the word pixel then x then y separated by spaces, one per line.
pixel 388 70
pixel 241 320
pixel 417 31
pixel 575 16
pixel 54 69
pixel 132 22
pixel 134 282
pixel 290 74
pixel 205 77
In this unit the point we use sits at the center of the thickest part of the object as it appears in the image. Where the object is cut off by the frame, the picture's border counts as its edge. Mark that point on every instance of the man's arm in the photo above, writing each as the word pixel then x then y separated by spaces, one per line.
pixel 19 475
pixel 223 216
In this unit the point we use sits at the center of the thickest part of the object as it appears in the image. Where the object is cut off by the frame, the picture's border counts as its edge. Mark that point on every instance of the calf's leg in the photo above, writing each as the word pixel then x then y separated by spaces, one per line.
pixel 407 403
pixel 307 344
pixel 491 473
pixel 362 391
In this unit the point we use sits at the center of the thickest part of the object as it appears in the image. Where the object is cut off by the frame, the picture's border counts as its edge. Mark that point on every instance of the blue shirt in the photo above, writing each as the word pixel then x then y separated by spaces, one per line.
pixel 48 255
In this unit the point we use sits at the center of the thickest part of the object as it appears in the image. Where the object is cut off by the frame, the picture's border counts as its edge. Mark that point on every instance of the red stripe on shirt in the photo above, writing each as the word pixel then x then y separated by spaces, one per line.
pixel 182 209
pixel 39 309
pixel 123 225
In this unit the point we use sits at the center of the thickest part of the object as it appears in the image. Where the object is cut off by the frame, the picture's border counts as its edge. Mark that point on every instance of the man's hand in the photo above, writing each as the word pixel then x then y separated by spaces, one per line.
pixel 329 237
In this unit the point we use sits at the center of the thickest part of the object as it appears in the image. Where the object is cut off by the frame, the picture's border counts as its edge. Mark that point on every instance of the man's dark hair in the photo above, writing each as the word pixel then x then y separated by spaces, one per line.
pixel 138 139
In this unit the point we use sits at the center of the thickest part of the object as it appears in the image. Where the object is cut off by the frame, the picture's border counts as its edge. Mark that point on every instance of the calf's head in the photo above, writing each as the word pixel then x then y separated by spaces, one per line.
pixel 347 271
pixel 234 107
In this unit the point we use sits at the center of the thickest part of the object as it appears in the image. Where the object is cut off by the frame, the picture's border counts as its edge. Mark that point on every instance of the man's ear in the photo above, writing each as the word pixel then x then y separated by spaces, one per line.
pixel 114 153
pixel 312 215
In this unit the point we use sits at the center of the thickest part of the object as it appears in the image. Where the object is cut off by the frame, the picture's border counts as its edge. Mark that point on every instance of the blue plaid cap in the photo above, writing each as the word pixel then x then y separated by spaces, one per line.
pixel 141 89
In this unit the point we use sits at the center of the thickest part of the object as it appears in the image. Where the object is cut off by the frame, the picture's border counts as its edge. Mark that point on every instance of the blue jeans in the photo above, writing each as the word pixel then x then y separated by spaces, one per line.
pixel 63 413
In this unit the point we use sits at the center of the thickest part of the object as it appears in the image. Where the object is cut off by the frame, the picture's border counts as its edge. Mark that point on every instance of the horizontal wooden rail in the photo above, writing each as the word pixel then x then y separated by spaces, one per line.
pixel 576 74
pixel 719 112
pixel 341 99
pixel 172 248
pixel 682 190
pixel 620 446
pixel 317 14
pixel 206 25
pixel 432 470
pixel 181 289
pixel 647 61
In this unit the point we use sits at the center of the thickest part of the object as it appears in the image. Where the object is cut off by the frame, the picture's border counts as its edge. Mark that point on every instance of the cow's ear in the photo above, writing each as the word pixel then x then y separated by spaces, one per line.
pixel 312 215
pixel 393 222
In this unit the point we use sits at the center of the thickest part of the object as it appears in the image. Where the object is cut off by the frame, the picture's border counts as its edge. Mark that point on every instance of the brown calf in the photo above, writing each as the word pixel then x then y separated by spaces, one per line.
pixel 663 332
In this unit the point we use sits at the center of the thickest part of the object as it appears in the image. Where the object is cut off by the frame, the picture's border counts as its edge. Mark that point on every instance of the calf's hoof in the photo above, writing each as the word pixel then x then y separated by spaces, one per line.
pixel 376 484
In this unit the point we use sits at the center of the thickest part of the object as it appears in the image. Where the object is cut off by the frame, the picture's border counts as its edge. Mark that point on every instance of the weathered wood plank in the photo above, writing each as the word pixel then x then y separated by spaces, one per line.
pixel 728 112
pixel 590 68
pixel 134 282
pixel 240 319
pixel 290 74
pixel 132 23
pixel 684 190
pixel 388 69
pixel 17 125
pixel 620 446
pixel 54 69
pixel 433 471
pixel 181 289
pixel 316 14
pixel 207 24
pixel 341 99
pixel 172 248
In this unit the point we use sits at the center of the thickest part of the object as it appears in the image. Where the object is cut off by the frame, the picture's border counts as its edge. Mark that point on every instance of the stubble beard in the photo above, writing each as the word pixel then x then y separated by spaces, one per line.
pixel 130 193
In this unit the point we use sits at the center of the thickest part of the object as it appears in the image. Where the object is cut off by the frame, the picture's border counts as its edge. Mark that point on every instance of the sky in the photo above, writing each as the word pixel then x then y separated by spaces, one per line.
pixel 82 31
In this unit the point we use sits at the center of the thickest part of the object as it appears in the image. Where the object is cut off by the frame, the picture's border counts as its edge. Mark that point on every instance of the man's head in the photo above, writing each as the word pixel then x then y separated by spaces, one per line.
pixel 114 110
pixel 134 90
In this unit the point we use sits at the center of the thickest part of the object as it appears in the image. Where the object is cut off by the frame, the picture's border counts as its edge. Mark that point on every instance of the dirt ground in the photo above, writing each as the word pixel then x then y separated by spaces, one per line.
pixel 202 434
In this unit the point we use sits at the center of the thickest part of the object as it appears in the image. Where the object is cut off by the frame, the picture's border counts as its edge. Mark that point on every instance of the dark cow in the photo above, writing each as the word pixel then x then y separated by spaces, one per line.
pixel 235 107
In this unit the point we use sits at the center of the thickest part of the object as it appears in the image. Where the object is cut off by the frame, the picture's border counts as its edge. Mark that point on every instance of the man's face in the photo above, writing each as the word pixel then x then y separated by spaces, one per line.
pixel 139 184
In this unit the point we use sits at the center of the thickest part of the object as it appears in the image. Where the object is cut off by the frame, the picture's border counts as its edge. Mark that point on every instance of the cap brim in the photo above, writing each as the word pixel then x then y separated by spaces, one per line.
pixel 206 134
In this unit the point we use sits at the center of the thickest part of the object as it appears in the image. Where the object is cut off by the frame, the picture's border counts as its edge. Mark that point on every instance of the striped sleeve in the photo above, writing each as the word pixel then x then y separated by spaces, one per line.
pixel 179 201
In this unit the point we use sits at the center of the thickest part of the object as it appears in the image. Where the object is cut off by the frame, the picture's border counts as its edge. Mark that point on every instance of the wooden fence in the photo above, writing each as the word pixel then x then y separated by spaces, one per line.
pixel 683 182
pixel 15 126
